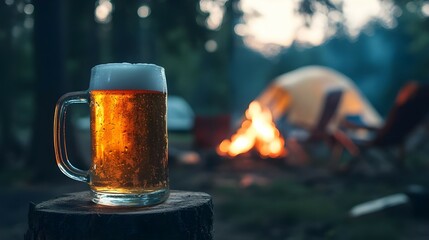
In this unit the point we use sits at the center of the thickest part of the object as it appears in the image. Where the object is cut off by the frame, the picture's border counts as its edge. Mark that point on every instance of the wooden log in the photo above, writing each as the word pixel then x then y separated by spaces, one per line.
pixel 185 215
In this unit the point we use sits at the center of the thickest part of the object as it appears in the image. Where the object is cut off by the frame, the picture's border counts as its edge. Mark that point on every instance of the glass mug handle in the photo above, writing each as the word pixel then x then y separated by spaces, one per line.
pixel 59 135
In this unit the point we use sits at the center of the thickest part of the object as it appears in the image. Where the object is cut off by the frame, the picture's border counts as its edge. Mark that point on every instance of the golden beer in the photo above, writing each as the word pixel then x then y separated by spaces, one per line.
pixel 129 141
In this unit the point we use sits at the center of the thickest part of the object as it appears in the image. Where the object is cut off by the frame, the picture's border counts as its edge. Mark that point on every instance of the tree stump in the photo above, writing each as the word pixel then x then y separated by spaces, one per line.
pixel 185 215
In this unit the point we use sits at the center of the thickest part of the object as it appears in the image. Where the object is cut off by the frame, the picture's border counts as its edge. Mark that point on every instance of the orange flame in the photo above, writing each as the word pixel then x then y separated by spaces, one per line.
pixel 257 130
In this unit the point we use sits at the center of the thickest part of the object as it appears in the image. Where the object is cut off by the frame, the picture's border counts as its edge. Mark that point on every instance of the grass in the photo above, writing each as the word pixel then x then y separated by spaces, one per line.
pixel 290 209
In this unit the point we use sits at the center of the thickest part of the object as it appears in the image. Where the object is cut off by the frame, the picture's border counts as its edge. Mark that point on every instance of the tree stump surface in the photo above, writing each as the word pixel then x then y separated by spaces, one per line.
pixel 185 215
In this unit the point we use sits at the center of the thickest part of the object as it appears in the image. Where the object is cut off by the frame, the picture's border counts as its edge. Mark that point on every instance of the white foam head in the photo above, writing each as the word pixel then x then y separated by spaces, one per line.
pixel 127 76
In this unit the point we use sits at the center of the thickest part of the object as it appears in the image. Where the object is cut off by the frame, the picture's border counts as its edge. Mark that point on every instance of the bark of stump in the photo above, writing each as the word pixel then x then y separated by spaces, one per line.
pixel 185 215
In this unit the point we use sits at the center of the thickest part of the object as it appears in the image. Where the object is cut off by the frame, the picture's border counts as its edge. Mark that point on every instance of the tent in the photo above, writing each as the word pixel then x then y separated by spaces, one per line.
pixel 180 116
pixel 300 96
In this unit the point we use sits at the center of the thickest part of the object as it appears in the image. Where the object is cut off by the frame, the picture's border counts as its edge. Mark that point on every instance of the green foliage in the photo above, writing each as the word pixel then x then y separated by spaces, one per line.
pixel 308 7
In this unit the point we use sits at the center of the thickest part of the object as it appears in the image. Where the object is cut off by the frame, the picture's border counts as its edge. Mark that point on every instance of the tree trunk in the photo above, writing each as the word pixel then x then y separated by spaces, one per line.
pixel 49 54
pixel 125 23
pixel 5 85
pixel 184 216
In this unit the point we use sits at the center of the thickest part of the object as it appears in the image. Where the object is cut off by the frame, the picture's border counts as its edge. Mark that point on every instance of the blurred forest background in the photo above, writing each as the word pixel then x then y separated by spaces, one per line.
pixel 218 54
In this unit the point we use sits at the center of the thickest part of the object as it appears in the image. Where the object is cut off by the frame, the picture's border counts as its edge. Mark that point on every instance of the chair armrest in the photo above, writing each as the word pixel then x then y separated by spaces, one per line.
pixel 356 122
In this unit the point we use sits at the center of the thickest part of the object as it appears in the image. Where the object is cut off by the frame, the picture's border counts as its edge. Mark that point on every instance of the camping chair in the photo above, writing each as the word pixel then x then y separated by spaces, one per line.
pixel 319 131
pixel 411 106
pixel 305 135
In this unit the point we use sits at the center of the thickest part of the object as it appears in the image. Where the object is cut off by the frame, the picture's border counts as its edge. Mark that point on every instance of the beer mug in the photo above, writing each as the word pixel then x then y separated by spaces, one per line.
pixel 128 135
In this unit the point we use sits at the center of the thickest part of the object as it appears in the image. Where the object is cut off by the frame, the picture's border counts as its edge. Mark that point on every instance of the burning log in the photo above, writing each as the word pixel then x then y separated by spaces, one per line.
pixel 258 131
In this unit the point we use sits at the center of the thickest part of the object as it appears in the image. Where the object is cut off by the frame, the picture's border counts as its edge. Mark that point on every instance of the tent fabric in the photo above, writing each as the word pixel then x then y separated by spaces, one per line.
pixel 305 90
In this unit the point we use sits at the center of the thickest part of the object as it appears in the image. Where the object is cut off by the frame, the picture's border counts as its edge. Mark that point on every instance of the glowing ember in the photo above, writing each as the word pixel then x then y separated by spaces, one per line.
pixel 257 130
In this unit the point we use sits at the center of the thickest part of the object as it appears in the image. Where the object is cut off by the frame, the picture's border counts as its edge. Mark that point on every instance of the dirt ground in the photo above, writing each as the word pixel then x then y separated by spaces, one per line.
pixel 262 200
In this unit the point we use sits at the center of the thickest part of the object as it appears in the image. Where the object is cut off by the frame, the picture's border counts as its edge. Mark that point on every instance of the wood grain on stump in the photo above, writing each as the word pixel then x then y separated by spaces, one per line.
pixel 185 215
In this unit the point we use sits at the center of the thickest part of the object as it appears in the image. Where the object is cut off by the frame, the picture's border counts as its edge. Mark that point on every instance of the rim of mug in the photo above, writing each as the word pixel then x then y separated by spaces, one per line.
pixel 126 64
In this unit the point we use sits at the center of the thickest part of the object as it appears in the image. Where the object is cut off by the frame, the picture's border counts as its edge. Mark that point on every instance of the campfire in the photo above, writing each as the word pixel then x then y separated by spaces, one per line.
pixel 257 131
